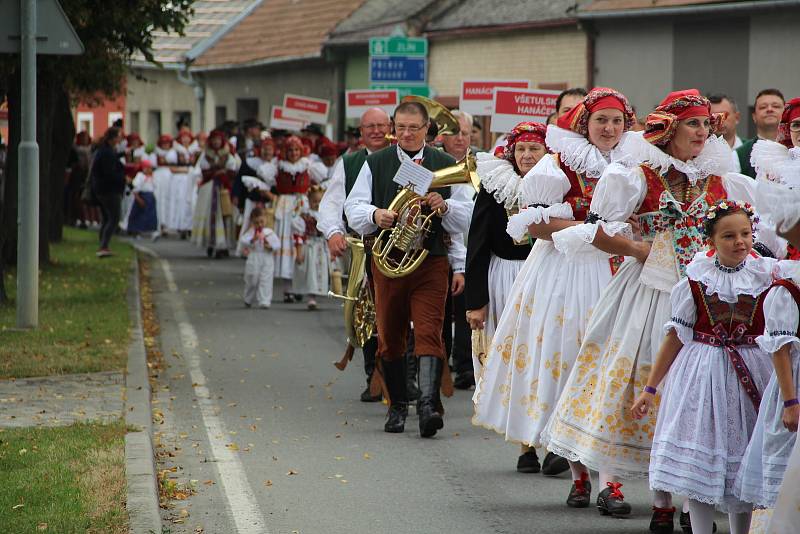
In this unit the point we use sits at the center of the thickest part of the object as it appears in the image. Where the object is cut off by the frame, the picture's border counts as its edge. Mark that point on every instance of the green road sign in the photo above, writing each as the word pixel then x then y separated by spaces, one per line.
pixel 398 46
pixel 405 90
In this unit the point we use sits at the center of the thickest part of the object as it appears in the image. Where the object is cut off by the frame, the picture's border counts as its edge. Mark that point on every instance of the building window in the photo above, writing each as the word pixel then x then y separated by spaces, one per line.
pixel 114 116
pixel 153 125
pixel 86 122
pixel 134 122
pixel 181 119
pixel 246 108
pixel 220 115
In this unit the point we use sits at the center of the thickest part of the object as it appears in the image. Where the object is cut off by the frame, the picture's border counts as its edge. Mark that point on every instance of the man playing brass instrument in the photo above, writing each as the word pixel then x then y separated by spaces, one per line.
pixel 420 296
pixel 375 126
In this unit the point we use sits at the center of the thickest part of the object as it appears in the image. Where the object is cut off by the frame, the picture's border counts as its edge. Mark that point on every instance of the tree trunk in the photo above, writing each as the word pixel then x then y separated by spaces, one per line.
pixel 62 138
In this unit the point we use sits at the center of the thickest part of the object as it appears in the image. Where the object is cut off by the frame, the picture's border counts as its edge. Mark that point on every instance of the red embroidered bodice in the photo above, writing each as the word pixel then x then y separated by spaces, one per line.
pixel 287 183
pixel 742 322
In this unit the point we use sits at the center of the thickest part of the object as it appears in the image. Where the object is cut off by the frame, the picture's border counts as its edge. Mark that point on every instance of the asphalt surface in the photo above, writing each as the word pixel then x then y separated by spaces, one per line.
pixel 255 417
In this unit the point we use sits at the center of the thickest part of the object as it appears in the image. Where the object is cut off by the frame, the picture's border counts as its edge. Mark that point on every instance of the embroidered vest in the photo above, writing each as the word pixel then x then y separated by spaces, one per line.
pixel 287 183
pixel 673 205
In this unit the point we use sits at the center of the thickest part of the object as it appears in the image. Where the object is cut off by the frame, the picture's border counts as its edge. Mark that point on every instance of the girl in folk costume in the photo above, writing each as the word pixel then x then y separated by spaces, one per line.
pixel 290 180
pixel 258 244
pixel 322 169
pixel 166 157
pixel 213 223
pixel 680 177
pixel 312 258
pixel 536 339
pixel 143 218
pixel 493 258
pixel 255 190
pixel 711 397
pixel 179 213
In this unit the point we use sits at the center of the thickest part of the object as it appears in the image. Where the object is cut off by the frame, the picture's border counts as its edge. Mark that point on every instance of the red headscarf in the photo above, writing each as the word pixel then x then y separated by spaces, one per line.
pixel 185 132
pixel 328 149
pixel 661 124
pixel 525 132
pixel 133 137
pixel 164 138
pixel 217 134
pixel 598 98
pixel 790 112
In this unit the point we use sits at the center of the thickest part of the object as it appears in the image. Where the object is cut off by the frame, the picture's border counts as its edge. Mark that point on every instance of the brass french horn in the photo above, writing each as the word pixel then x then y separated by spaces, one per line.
pixel 359 307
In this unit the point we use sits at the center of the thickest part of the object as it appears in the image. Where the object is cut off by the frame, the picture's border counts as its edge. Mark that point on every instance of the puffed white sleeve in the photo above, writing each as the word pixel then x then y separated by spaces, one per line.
pixel 780 321
pixel 781 203
pixel 267 172
pixel 247 237
pixel 358 205
pixel 684 312
pixel 459 209
pixel 233 163
pixel 332 205
pixel 272 240
pixel 457 253
pixel 619 191
pixel 317 171
pixel 542 197
pixel 138 182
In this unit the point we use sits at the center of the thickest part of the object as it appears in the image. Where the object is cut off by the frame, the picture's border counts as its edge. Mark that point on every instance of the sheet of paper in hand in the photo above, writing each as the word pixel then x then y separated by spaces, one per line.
pixel 414 175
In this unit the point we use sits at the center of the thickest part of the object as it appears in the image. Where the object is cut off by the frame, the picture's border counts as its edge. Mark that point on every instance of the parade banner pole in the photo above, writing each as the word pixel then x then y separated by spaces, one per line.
pixel 28 177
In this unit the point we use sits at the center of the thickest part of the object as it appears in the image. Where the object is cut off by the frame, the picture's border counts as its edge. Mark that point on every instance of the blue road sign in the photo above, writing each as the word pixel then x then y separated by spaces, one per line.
pixel 398 69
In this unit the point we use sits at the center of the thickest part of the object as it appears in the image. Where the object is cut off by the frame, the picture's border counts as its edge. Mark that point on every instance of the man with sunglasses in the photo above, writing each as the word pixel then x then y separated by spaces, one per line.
pixel 420 296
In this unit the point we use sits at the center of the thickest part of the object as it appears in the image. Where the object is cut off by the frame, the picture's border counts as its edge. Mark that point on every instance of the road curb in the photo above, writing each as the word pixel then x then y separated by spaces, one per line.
pixel 140 469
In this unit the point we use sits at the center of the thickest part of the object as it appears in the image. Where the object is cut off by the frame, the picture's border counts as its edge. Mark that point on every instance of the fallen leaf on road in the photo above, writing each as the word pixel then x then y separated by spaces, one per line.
pixel 268 483
pixel 338 457
pixel 232 446
pixel 184 513
pixel 275 458
pixel 231 404
pixel 208 482
pixel 339 476
pixel 292 472
pixel 253 428
pixel 367 456
pixel 41 526
pixel 338 436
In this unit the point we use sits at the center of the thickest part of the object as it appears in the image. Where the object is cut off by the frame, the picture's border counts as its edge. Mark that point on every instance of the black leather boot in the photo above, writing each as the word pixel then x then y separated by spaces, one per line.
pixel 369 350
pixel 395 377
pixel 430 376
pixel 411 377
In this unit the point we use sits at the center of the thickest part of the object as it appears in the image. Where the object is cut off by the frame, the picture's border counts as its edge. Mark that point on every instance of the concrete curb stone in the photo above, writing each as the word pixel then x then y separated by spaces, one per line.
pixel 140 468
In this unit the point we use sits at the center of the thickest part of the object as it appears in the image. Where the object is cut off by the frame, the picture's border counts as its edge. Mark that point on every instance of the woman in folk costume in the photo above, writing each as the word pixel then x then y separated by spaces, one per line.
pixel 290 180
pixel 166 157
pixel 537 337
pixel 213 227
pixel 181 187
pixel 711 396
pixel 253 188
pixel 683 172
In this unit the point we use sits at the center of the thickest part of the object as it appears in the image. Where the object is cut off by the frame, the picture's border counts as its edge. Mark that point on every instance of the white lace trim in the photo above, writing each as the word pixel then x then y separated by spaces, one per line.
pixel 752 278
pixel 576 241
pixel 715 158
pixel 297 167
pixel 499 178
pixel 776 162
pixel 268 171
pixel 251 182
pixel 780 203
pixel 580 155
pixel 518 224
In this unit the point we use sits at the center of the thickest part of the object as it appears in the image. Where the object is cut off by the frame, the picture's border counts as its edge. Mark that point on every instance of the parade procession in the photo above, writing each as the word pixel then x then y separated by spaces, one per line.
pixel 476 266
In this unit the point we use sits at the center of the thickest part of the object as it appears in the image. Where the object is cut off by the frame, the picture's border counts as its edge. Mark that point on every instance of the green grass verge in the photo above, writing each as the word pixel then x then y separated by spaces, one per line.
pixel 83 314
pixel 66 480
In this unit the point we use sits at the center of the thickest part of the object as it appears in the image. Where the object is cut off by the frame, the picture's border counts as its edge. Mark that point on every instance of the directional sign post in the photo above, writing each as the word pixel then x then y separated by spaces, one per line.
pixel 399 63
pixel 398 46
pixel 21 32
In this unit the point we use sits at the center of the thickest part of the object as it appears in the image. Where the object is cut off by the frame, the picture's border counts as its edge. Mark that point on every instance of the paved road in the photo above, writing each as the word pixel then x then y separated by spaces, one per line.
pixel 278 443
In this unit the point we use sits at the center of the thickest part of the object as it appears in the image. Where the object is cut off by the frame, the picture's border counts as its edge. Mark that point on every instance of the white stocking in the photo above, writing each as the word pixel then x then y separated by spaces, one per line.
pixel 702 517
pixel 606 477
pixel 740 523
pixel 577 469
pixel 662 499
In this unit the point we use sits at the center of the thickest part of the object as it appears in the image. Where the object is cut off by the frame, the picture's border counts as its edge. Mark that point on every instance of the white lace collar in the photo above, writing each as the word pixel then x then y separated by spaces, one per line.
pixel 499 178
pixel 775 162
pixel 297 167
pixel 577 153
pixel 715 158
pixel 752 277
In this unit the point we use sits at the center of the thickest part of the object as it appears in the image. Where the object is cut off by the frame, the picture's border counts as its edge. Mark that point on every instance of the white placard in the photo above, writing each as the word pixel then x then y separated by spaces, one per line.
pixel 414 175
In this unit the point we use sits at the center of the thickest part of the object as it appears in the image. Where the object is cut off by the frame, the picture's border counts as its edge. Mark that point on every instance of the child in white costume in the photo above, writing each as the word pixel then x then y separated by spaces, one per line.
pixel 311 272
pixel 717 372
pixel 259 242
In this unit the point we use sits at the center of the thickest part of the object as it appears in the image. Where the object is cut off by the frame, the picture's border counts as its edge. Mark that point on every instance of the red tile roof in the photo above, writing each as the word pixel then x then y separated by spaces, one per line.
pixel 279 29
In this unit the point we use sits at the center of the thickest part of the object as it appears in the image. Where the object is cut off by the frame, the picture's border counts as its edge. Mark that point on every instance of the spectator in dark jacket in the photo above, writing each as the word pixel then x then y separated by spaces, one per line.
pixel 108 185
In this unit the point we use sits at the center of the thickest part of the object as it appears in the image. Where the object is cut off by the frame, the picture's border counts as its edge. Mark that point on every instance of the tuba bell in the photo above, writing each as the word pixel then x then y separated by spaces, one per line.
pixel 359 307
pixel 398 251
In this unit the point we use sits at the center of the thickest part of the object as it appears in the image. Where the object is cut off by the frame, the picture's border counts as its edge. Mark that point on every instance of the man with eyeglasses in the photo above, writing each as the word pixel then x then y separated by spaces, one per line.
pixel 374 127
pixel 420 296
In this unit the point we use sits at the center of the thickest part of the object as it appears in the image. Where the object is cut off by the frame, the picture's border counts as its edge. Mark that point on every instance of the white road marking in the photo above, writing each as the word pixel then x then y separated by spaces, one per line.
pixel 241 501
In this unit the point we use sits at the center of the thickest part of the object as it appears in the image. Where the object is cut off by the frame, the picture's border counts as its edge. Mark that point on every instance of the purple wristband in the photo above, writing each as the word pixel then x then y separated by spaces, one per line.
pixel 791 402
pixel 650 390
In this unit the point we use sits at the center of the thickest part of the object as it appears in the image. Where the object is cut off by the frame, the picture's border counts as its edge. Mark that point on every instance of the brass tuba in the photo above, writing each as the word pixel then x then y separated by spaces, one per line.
pixel 359 308
pixel 399 251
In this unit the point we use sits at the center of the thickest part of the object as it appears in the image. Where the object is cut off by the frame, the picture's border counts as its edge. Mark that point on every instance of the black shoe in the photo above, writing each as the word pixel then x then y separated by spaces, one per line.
pixel 430 374
pixel 663 520
pixel 464 380
pixel 396 418
pixel 581 492
pixel 287 298
pixel 528 462
pixel 366 396
pixel 611 501
pixel 554 465
pixel 686 523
